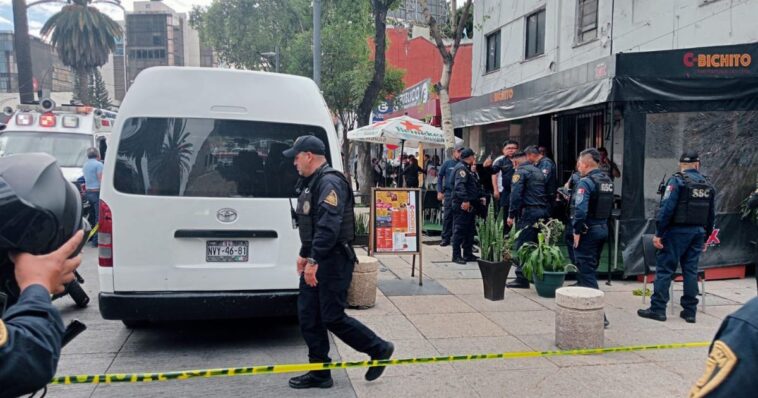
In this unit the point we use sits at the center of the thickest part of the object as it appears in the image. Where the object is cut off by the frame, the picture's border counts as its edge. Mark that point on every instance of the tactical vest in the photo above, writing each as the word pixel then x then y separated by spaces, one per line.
pixel 694 202
pixel 306 210
pixel 601 200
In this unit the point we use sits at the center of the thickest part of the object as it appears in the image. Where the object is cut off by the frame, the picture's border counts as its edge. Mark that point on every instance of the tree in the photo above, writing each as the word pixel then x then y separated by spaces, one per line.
pixel 379 10
pixel 83 38
pixel 23 52
pixel 239 31
pixel 448 60
pixel 98 92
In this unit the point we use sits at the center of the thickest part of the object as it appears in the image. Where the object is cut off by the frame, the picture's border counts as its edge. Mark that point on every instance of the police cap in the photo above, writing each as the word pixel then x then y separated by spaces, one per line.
pixel 689 157
pixel 468 152
pixel 306 143
pixel 532 150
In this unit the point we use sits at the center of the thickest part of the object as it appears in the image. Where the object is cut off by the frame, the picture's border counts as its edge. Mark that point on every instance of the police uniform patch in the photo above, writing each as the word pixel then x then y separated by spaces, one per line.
pixel 3 334
pixel 331 199
pixel 307 207
pixel 545 171
pixel 721 361
pixel 669 189
pixel 515 178
pixel 579 195
pixel 462 173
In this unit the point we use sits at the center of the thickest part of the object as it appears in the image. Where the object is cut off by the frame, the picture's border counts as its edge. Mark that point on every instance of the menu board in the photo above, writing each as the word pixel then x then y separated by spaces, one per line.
pixel 395 225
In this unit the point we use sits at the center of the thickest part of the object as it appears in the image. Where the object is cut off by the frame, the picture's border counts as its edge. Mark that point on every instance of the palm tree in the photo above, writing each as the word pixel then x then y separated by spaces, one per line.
pixel 83 37
pixel 173 163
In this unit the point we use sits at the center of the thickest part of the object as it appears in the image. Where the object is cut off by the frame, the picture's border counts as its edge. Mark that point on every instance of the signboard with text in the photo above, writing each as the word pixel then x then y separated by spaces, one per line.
pixel 396 221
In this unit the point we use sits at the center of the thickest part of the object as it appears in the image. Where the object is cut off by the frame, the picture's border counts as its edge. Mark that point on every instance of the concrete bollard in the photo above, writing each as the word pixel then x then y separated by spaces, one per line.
pixel 362 291
pixel 579 319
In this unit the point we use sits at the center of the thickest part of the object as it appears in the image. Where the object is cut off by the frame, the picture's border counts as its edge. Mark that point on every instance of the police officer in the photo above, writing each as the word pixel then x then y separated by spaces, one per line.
pixel 445 193
pixel 568 191
pixel 528 205
pixel 733 357
pixel 547 167
pixel 467 196
pixel 685 219
pixel 590 209
pixel 34 263
pixel 502 173
pixel 325 264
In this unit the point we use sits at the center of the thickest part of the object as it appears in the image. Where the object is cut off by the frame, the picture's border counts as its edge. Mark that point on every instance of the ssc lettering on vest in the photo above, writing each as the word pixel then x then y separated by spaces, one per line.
pixel 701 193
pixel 606 187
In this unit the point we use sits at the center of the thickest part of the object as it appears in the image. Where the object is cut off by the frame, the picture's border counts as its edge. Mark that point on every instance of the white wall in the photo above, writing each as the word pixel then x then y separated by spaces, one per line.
pixel 638 25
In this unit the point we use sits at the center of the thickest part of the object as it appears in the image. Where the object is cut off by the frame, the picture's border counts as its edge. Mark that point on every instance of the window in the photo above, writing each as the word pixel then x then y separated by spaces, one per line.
pixel 535 34
pixel 195 157
pixel 70 150
pixel 586 20
pixel 493 51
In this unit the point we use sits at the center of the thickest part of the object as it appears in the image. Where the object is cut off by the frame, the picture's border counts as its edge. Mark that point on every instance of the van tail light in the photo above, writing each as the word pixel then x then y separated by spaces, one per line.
pixel 105 236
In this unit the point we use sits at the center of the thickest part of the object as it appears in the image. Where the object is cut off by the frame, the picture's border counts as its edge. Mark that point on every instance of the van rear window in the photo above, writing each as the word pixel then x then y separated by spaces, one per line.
pixel 208 157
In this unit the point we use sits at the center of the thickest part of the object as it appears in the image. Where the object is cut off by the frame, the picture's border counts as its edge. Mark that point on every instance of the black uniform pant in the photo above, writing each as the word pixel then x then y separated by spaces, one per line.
pixel 504 206
pixel 681 245
pixel 322 308
pixel 525 224
pixel 587 254
pixel 464 229
pixel 447 217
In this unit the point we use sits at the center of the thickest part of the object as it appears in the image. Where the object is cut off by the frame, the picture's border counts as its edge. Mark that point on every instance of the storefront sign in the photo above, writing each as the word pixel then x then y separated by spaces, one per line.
pixel 415 95
pixel 502 95
pixel 692 60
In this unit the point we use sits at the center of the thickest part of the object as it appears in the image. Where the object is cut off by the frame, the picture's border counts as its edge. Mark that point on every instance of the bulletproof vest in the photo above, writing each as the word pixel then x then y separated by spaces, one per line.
pixel 306 209
pixel 694 202
pixel 601 200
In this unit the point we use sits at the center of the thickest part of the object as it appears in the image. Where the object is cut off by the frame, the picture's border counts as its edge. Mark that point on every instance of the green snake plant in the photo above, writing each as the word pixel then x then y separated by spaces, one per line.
pixel 493 246
pixel 545 255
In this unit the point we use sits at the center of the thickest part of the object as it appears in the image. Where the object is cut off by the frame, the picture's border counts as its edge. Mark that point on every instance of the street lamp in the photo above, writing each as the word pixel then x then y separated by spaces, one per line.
pixel 274 54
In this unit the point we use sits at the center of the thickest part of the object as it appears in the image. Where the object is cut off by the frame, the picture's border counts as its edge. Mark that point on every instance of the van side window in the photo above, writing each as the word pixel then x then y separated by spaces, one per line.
pixel 196 157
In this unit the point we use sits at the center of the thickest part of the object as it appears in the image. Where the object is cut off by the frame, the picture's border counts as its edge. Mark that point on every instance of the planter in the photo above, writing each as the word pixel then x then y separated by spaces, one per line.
pixel 362 291
pixel 550 282
pixel 494 275
pixel 360 240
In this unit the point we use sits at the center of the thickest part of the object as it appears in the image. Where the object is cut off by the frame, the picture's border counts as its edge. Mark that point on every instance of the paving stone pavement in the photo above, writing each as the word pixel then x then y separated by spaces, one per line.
pixel 446 316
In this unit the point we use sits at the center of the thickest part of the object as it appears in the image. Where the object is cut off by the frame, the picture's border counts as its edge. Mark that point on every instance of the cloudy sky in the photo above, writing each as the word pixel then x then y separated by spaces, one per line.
pixel 40 13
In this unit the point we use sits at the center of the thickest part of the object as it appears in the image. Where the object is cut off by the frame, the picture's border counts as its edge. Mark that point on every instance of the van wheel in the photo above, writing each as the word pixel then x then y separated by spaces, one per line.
pixel 134 324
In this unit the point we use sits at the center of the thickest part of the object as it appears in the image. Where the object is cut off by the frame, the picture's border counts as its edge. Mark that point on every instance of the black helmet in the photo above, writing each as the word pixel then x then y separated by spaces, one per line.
pixel 39 209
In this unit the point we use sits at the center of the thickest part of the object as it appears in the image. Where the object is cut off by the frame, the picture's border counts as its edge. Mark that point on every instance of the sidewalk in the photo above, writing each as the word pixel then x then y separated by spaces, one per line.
pixel 449 316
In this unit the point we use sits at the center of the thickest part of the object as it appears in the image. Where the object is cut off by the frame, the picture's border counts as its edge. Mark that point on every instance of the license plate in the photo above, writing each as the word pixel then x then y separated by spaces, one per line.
pixel 227 251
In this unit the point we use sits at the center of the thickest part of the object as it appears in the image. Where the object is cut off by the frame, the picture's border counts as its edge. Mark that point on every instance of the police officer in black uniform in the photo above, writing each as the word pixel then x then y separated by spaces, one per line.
pixel 503 169
pixel 544 164
pixel 528 205
pixel 590 210
pixel 685 218
pixel 33 195
pixel 326 224
pixel 467 195
pixel 567 192
pixel 732 364
pixel 445 181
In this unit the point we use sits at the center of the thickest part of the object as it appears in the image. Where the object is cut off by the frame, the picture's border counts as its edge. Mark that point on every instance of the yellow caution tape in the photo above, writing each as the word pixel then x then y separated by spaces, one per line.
pixel 305 367
pixel 93 232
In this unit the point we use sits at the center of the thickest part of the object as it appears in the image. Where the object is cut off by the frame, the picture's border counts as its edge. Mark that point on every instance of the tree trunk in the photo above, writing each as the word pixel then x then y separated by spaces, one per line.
pixel 82 90
pixel 445 108
pixel 380 7
pixel 23 52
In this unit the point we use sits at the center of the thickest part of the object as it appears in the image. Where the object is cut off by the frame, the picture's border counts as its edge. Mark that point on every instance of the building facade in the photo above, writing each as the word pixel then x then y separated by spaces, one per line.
pixel 413 11
pixel 646 79
pixel 50 74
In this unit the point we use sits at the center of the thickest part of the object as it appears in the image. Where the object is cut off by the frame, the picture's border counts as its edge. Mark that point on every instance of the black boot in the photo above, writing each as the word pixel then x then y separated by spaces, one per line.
pixel 650 314
pixel 311 380
pixel 519 283
pixel 374 372
pixel 687 316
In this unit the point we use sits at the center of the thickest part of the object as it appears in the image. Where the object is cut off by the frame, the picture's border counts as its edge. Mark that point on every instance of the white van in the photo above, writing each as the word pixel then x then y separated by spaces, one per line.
pixel 65 132
pixel 195 218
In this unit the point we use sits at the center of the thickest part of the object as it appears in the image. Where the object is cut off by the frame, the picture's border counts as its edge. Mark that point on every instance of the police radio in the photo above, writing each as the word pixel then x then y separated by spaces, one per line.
pixel 662 185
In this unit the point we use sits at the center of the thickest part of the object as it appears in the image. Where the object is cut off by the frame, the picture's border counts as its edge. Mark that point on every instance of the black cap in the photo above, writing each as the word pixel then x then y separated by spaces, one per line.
pixel 306 143
pixel 689 157
pixel 468 152
pixel 532 149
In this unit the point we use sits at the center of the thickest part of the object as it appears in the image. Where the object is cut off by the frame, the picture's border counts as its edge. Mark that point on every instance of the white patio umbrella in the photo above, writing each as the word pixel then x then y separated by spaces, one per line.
pixel 401 131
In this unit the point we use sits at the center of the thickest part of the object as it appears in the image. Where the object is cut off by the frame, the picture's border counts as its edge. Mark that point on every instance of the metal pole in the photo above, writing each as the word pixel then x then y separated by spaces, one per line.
pixel 277 59
pixel 317 42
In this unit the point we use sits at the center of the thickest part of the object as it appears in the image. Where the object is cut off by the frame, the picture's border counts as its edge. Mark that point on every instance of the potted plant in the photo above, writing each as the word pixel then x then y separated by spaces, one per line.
pixel 543 262
pixel 361 229
pixel 495 254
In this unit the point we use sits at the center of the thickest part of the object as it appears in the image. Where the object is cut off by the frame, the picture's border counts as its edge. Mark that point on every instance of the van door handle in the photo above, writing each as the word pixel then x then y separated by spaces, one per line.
pixel 225 233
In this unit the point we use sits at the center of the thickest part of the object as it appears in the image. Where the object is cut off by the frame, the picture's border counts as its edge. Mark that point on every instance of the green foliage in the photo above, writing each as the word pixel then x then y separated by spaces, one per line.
pixel 492 246
pixel 99 97
pixel 746 212
pixel 545 255
pixel 361 224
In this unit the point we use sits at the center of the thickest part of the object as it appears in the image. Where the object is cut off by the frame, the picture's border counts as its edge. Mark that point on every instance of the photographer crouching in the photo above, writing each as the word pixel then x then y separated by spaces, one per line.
pixel 41 234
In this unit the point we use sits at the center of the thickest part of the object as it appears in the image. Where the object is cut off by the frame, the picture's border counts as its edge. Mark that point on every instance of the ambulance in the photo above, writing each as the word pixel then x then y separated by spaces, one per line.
pixel 64 131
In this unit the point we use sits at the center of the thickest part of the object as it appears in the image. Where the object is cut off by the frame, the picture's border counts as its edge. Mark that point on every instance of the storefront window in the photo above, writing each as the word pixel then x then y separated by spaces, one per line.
pixel 726 142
